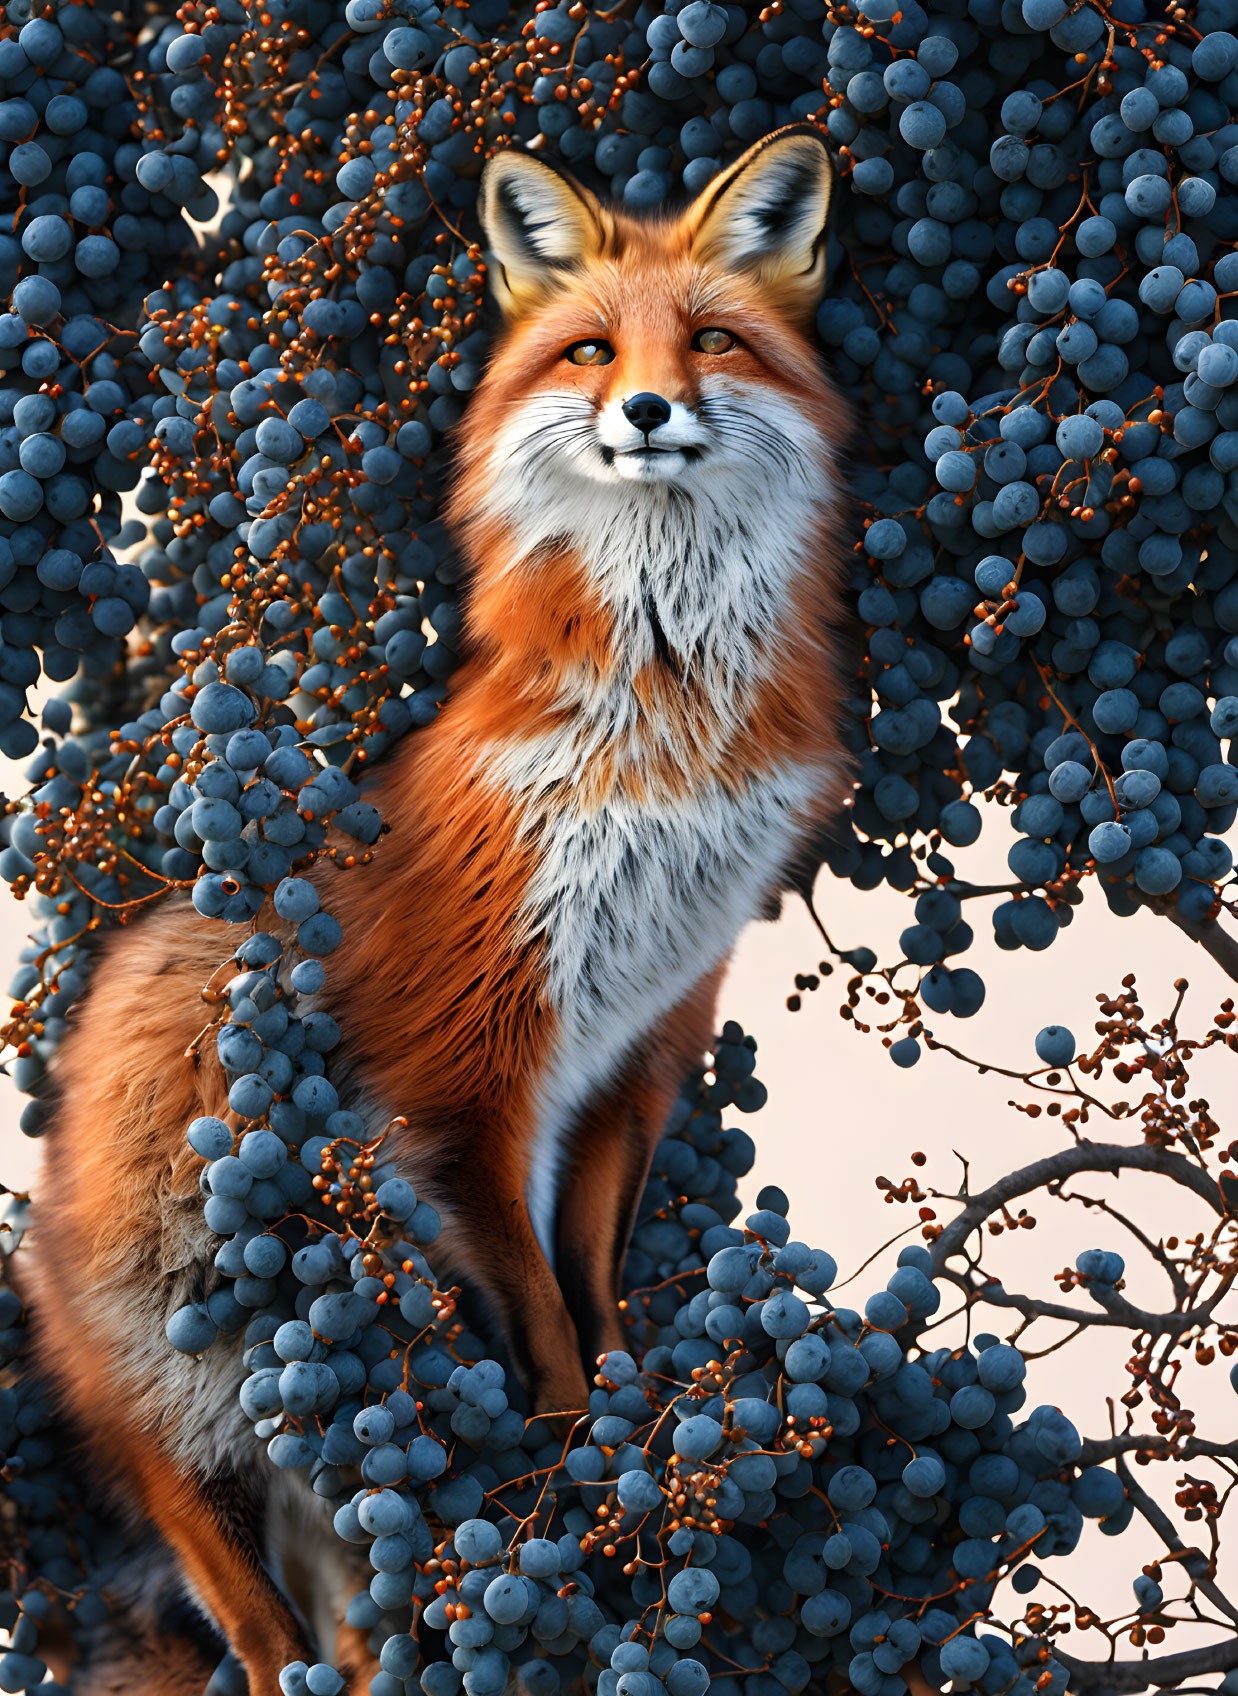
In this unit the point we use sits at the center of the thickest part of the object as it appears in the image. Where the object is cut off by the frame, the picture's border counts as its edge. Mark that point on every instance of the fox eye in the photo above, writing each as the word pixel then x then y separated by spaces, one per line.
pixel 713 341
pixel 590 353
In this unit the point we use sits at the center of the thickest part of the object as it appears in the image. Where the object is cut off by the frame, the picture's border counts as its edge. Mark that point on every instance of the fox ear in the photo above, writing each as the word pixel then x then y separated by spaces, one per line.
pixel 766 216
pixel 537 222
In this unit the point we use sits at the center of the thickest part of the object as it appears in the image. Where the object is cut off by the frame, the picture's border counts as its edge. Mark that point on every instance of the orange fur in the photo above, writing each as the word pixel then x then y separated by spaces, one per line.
pixel 111 1180
pixel 648 289
pixel 441 989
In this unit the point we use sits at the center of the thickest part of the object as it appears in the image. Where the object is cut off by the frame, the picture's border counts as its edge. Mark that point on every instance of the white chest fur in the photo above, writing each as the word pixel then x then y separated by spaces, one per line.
pixel 642 890
pixel 637 906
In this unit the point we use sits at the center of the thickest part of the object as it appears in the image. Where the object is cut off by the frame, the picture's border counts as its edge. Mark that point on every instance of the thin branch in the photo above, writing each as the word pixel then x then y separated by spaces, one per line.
pixel 1221 944
pixel 1085 1157
pixel 1029 1078
pixel 969 891
pixel 1097 1450
pixel 1164 1671
pixel 1161 1324
pixel 875 1255
pixel 1161 1523
pixel 1113 1311
pixel 1040 1354
pixel 1154 1249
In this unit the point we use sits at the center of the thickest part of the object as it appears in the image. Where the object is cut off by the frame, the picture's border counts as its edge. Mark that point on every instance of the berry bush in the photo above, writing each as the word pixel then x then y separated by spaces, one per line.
pixel 245 309
pixel 769 1492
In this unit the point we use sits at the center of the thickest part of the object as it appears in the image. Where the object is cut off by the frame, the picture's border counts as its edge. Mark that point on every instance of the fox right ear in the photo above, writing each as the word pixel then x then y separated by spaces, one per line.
pixel 766 216
pixel 537 222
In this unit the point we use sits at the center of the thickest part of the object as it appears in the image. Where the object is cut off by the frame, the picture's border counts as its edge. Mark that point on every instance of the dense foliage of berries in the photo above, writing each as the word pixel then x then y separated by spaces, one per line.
pixel 1031 272
pixel 245 302
pixel 767 1487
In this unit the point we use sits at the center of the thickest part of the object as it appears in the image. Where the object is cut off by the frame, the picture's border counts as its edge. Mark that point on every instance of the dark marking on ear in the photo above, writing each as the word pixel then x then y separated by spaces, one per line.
pixel 521 227
pixel 797 184
pixel 770 211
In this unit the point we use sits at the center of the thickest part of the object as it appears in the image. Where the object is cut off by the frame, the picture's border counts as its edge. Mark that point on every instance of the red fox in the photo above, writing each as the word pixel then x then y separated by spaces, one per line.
pixel 649 495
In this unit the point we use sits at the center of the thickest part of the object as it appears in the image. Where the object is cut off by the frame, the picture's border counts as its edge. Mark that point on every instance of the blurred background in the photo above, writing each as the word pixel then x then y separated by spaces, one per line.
pixel 840 1114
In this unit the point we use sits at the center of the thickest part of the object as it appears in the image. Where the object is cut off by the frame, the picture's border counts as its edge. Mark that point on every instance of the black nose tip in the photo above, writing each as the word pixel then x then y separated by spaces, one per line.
pixel 646 412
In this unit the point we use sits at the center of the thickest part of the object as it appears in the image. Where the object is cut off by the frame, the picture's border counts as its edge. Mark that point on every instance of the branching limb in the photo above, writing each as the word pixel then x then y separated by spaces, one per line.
pixel 1161 1324
pixel 1156 1252
pixel 1100 1449
pixel 1165 1672
pixel 1113 1310
pixel 1161 1523
pixel 1220 943
pixel 1085 1157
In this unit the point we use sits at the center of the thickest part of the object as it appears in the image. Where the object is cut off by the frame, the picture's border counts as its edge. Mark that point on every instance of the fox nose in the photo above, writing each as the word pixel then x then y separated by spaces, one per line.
pixel 646 412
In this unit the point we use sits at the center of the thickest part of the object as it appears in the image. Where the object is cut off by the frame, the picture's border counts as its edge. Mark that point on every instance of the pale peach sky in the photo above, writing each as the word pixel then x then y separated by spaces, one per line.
pixel 840 1113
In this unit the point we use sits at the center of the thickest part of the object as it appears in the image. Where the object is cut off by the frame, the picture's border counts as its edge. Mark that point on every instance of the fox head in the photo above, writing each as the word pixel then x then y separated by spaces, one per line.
pixel 669 351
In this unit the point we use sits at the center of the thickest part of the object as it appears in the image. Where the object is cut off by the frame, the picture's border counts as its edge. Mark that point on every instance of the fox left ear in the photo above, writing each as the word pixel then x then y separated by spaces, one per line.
pixel 766 216
pixel 537 222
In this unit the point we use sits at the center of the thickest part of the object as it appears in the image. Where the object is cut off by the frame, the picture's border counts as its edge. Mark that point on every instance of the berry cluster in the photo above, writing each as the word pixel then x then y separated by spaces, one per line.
pixel 766 1488
pixel 759 1452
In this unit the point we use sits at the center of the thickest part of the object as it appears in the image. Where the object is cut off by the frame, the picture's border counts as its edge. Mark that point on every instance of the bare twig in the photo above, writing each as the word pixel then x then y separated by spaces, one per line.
pixel 1164 1671
pixel 1085 1157
pixel 1099 1449
pixel 1220 943
pixel 1161 1523
pixel 1157 1253
pixel 1113 1309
